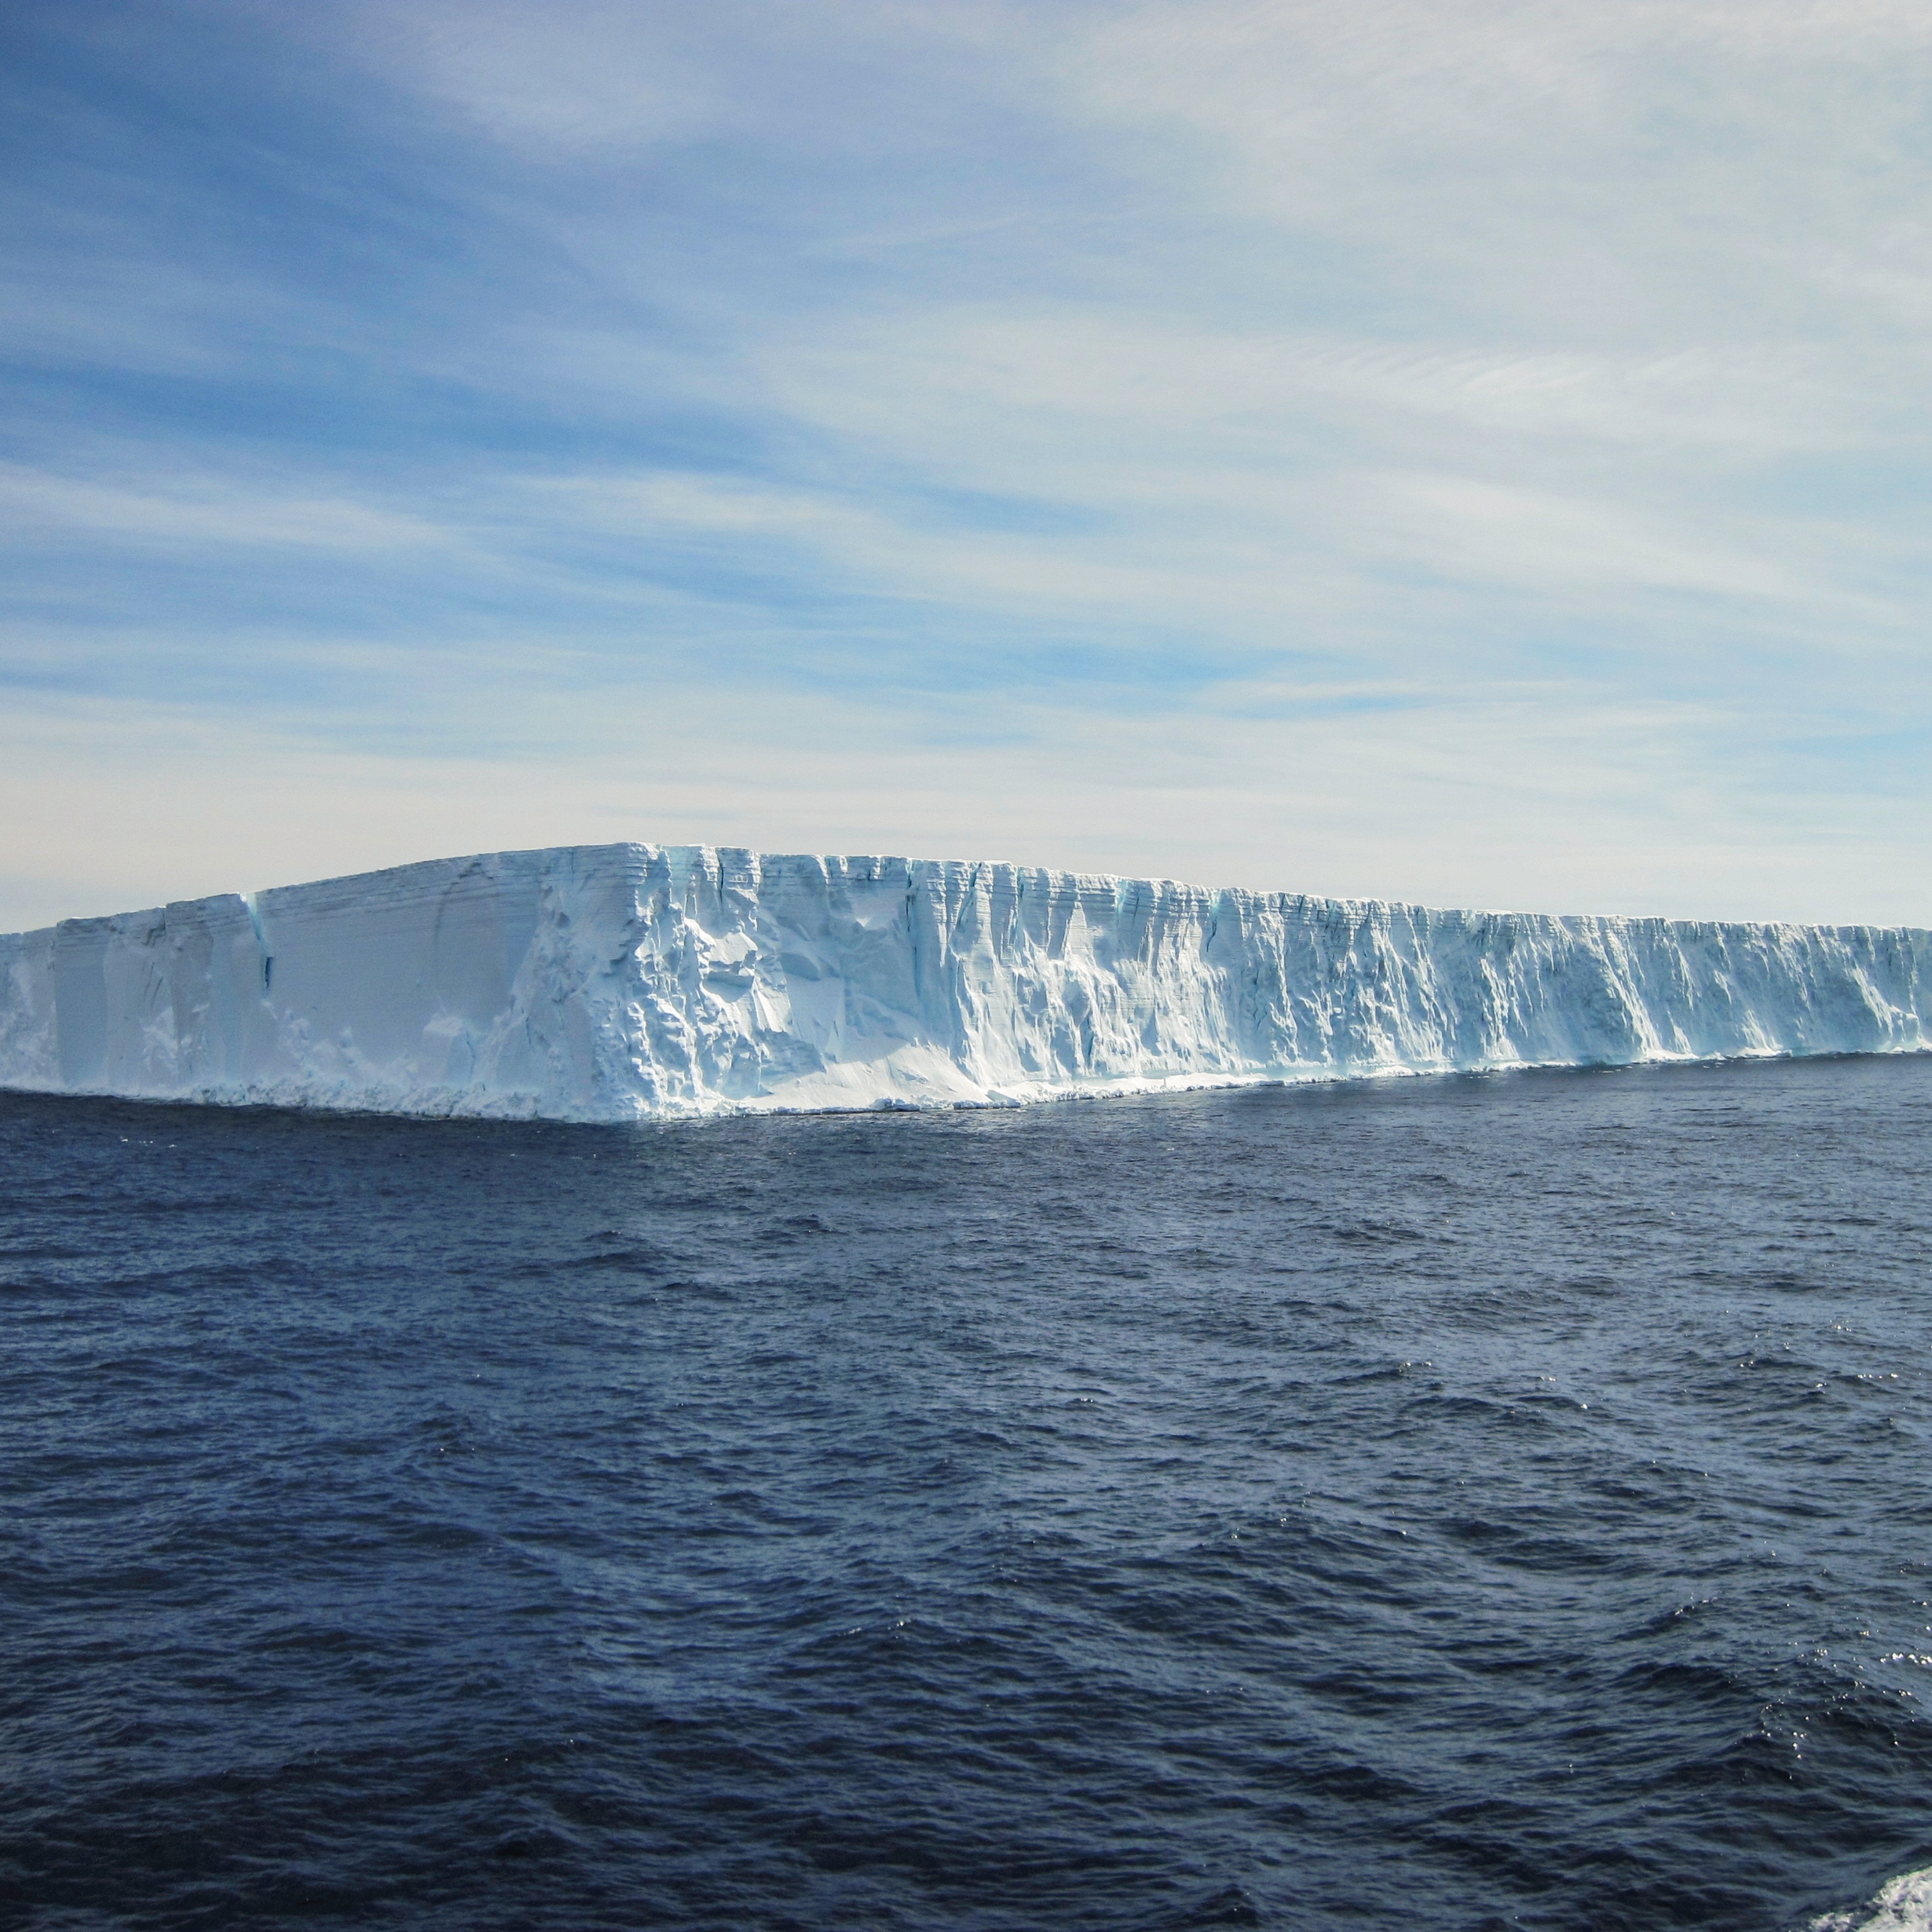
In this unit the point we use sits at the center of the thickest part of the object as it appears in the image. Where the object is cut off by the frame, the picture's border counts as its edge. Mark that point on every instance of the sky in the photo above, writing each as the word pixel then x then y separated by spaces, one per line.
pixel 1444 450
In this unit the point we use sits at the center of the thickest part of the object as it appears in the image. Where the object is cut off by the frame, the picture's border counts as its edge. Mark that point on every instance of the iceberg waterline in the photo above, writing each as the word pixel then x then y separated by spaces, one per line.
pixel 616 981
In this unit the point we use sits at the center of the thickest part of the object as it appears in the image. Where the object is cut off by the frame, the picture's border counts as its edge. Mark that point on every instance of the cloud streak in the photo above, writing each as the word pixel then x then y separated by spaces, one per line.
pixel 1473 452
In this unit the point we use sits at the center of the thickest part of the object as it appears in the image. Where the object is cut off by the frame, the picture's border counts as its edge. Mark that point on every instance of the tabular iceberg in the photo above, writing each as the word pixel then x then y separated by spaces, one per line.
pixel 616 981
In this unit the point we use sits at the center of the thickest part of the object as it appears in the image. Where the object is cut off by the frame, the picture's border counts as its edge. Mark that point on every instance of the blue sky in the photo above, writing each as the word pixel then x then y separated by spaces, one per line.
pixel 1469 453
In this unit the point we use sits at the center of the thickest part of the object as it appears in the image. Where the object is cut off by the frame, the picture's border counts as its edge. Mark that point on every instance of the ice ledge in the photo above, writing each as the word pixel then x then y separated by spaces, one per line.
pixel 616 982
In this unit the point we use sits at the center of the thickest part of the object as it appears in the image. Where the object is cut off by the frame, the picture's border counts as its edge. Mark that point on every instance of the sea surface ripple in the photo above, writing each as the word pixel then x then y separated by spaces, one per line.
pixel 1471 1502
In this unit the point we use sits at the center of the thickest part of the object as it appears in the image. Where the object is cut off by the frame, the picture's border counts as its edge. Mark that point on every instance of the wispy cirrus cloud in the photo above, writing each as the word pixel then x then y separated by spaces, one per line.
pixel 219 512
pixel 1465 451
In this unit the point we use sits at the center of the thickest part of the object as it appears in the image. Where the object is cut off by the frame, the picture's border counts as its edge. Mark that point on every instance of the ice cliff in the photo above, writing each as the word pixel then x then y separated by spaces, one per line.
pixel 607 983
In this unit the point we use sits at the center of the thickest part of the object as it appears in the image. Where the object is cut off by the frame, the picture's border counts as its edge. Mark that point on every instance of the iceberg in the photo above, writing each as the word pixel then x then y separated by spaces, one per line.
pixel 615 982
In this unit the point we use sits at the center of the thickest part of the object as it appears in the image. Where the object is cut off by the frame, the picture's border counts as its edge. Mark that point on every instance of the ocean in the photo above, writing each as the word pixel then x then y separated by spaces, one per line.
pixel 1483 1501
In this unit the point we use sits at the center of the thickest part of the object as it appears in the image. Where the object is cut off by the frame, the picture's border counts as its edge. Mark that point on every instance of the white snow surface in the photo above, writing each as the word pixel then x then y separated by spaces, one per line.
pixel 612 982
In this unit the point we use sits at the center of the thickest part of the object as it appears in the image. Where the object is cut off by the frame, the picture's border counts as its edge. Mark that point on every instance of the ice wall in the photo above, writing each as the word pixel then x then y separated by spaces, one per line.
pixel 606 982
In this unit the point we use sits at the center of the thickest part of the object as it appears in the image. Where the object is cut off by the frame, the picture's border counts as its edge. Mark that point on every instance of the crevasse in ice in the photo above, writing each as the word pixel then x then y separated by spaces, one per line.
pixel 615 982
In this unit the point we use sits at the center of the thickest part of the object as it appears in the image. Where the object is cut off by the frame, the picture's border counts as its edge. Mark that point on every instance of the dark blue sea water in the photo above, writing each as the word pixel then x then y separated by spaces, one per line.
pixel 1459 1503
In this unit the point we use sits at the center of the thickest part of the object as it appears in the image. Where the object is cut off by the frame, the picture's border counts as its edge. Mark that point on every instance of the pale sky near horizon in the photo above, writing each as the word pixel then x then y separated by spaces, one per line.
pixel 1469 453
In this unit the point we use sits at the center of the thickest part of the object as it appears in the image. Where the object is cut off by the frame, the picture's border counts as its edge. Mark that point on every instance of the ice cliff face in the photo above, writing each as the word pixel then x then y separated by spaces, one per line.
pixel 608 982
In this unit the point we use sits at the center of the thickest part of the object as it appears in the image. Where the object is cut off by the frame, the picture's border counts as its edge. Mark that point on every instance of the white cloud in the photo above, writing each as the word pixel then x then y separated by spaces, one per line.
pixel 1624 169
pixel 218 511
pixel 564 83
pixel 1470 529
pixel 1564 797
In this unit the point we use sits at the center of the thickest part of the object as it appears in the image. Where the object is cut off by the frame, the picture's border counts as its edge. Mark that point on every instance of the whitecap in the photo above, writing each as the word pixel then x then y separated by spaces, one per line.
pixel 1903 1905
